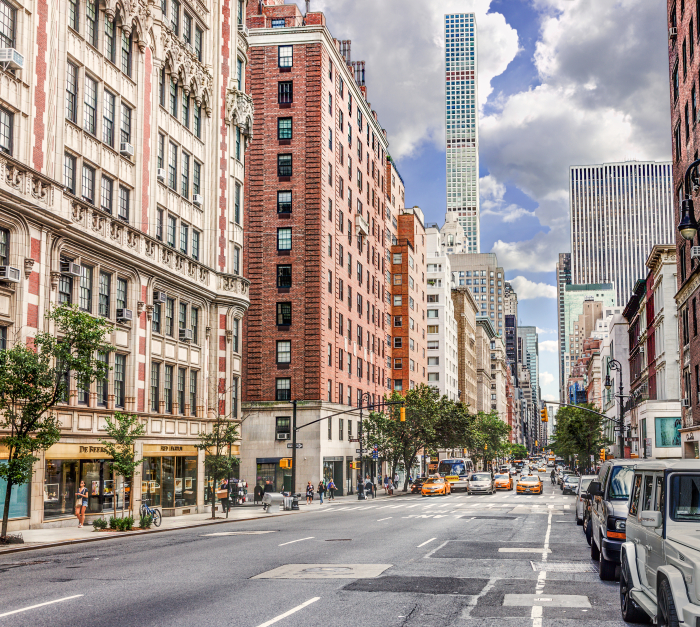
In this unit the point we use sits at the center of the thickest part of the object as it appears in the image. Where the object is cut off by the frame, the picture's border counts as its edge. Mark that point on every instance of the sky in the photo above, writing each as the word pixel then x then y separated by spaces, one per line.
pixel 561 83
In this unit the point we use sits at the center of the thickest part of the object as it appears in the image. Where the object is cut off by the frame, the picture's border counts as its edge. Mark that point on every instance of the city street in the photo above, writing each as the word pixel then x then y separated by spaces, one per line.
pixel 502 559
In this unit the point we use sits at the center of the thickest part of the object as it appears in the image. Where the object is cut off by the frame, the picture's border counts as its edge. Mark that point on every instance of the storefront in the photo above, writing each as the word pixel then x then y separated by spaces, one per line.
pixel 272 478
pixel 169 477
pixel 19 497
pixel 333 469
pixel 66 465
pixel 223 482
pixel 691 442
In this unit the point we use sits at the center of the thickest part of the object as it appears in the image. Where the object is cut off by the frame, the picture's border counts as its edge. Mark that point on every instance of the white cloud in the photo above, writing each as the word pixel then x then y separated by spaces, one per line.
pixel 545 331
pixel 550 397
pixel 526 289
pixel 546 378
pixel 549 346
pixel 403 45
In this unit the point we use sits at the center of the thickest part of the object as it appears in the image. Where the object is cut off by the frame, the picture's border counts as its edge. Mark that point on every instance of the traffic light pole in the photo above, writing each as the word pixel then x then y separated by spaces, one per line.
pixel 294 447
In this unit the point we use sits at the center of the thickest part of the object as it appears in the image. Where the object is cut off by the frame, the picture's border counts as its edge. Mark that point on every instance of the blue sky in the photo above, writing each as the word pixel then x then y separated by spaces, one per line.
pixel 561 82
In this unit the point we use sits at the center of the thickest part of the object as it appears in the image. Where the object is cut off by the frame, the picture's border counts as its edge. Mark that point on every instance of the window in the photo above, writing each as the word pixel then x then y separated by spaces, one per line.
pixel 184 238
pixel 284 276
pixel 284 351
pixel 169 316
pixel 88 191
pixel 196 177
pixel 73 15
pixel 172 166
pixel 238 143
pixel 433 328
pixel 121 293
pixel 284 165
pixel 181 378
pixel 193 394
pixel 237 204
pixel 108 118
pixel 119 379
pixel 156 318
pixel 159 224
pixel 187 28
pixel 6 126
pixel 432 313
pixel 104 295
pixel 284 313
pixel 168 389
pixel 65 288
pixel 198 40
pixel 285 55
pixel 126 53
pixel 173 97
pixel 284 239
pixel 175 16
pixel 236 260
pixel 90 106
pixel 71 92
pixel 198 121
pixel 69 172
pixel 278 23
pixel 284 92
pixel 185 176
pixel 126 124
pixel 123 204
pixel 110 44
pixel 195 244
pixel 239 74
pixel 283 389
pixel 155 387
pixel 85 295
pixel 284 128
pixel 194 325
pixel 284 202
pixel 398 321
pixel 185 110
pixel 172 230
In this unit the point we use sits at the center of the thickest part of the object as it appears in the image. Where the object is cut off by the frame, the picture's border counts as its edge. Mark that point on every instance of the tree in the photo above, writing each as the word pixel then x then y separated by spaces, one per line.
pixel 579 432
pixel 490 436
pixel 518 451
pixel 124 432
pixel 33 379
pixel 377 431
pixel 218 462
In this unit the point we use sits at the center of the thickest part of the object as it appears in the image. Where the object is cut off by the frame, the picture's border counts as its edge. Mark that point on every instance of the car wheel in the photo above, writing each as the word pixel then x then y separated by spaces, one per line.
pixel 579 522
pixel 631 612
pixel 667 615
pixel 587 531
pixel 595 552
pixel 606 568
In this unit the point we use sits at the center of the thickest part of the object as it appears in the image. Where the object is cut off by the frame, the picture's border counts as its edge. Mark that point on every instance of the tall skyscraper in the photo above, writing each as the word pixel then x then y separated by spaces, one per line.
pixel 619 211
pixel 461 124
pixel 529 356
pixel 563 279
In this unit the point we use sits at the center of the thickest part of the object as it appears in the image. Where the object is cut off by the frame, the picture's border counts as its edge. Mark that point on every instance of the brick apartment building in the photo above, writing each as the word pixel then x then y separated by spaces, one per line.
pixel 124 130
pixel 684 68
pixel 323 210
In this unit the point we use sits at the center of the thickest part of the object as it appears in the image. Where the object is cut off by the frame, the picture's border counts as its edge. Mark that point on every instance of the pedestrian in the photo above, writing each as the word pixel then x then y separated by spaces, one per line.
pixel 396 478
pixel 309 493
pixel 331 490
pixel 390 487
pixel 223 490
pixel 81 503
pixel 369 487
pixel 386 484
pixel 321 490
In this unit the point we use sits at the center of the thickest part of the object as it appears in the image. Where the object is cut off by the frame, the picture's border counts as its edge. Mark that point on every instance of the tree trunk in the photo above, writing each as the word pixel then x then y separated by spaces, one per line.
pixel 6 509
pixel 114 490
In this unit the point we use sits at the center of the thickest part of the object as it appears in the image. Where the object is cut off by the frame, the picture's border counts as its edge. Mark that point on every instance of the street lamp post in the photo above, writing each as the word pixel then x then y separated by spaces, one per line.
pixel 613 364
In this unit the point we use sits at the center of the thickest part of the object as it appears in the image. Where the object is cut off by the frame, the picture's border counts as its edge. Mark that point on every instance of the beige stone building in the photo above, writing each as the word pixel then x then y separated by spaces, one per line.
pixel 485 334
pixel 465 309
pixel 123 131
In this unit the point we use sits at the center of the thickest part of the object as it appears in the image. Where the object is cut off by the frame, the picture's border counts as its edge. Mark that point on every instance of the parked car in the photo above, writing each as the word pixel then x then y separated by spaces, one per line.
pixel 660 559
pixel 581 491
pixel 434 486
pixel 418 484
pixel 570 484
pixel 531 484
pixel 481 482
pixel 609 496
pixel 503 482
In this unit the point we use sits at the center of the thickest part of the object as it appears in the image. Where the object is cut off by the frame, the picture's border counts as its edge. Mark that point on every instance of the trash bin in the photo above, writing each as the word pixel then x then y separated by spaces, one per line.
pixel 272 501
pixel 295 501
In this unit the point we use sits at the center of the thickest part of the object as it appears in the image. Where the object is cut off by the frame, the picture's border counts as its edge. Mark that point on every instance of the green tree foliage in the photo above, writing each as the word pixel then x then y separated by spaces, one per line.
pixel 490 437
pixel 579 432
pixel 123 433
pixel 518 451
pixel 218 462
pixel 33 379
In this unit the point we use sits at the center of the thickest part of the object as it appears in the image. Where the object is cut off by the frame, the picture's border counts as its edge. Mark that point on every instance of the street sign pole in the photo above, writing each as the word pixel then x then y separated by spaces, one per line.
pixel 294 447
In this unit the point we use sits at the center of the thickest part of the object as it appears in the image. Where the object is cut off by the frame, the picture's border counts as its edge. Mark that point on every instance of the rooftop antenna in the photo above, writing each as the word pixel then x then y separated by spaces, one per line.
pixel 308 6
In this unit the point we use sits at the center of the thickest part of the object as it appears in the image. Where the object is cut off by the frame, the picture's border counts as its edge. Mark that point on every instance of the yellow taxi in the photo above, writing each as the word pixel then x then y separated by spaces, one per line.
pixel 530 484
pixel 503 481
pixel 436 485
pixel 542 469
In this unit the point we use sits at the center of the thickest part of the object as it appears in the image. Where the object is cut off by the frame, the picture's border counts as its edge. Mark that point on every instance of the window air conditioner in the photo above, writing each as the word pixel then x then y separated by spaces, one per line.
pixel 186 335
pixel 695 252
pixel 242 28
pixel 125 315
pixel 70 268
pixel 198 199
pixel 9 274
pixel 284 436
pixel 161 175
pixel 126 149
pixel 685 402
pixel 672 32
pixel 12 59
pixel 159 297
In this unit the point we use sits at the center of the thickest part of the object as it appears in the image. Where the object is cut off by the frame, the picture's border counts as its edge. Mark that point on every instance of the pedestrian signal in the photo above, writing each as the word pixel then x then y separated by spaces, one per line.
pixel 402 414
pixel 286 462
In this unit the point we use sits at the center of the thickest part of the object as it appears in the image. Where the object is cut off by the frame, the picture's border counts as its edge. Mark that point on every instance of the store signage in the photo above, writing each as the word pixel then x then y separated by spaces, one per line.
pixel 174 448
pixel 690 435
pixel 92 449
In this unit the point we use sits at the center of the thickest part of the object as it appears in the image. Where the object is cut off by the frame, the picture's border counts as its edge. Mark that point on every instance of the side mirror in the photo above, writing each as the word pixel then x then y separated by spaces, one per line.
pixel 651 519
pixel 595 489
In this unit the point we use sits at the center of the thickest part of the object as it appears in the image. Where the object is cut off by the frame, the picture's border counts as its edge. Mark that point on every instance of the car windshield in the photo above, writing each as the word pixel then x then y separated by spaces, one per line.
pixel 685 497
pixel 572 479
pixel 620 483
pixel 501 477
pixel 439 480
pixel 451 468
pixel 482 476
pixel 584 484
pixel 530 479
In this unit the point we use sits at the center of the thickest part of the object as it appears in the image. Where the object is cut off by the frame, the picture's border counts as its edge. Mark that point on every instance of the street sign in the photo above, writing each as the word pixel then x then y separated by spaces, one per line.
pixel 357 450
pixel 353 439
pixel 299 445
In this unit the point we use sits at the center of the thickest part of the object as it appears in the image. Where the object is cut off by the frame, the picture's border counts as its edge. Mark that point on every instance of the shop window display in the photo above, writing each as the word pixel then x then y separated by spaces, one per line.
pixel 169 481
pixel 19 498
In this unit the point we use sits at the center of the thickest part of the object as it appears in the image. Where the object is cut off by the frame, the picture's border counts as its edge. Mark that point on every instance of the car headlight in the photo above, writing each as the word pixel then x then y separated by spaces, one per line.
pixel 620 525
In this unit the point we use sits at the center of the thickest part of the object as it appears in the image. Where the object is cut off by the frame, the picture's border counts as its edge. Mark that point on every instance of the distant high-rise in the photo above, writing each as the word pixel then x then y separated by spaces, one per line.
pixel 619 211
pixel 563 279
pixel 529 356
pixel 462 126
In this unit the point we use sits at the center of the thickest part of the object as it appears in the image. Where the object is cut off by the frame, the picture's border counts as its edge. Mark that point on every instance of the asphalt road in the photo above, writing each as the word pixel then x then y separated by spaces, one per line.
pixel 501 560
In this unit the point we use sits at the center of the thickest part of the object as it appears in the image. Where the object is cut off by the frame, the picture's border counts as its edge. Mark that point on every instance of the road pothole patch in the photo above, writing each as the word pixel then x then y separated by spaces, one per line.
pixel 420 585
pixel 324 571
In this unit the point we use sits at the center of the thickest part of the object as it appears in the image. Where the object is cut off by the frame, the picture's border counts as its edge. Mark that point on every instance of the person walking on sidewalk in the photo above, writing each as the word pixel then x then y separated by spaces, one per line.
pixel 331 490
pixel 386 484
pixel 396 479
pixel 81 503
pixel 369 487
pixel 309 493
pixel 321 490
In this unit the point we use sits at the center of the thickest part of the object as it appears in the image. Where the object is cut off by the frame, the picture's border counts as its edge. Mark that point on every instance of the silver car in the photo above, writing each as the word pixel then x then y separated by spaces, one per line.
pixel 481 482
pixel 580 501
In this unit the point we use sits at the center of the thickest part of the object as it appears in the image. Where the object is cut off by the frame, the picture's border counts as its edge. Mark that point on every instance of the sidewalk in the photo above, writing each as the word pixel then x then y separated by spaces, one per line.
pixel 59 536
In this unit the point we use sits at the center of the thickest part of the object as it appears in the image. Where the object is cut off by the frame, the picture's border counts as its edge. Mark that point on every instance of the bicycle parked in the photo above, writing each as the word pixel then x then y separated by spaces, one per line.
pixel 144 510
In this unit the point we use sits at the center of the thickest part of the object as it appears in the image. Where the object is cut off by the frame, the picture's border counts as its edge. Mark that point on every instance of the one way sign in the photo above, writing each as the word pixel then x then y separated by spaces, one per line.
pixel 299 445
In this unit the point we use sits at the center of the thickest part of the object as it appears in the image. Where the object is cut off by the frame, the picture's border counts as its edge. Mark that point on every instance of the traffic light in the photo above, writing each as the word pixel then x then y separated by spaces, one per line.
pixel 355 465
pixel 286 462
pixel 543 413
pixel 602 454
pixel 486 447
pixel 537 443
pixel 402 414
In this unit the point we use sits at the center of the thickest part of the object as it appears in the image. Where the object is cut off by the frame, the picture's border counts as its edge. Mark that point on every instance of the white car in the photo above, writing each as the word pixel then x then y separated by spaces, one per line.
pixel 481 482
pixel 580 501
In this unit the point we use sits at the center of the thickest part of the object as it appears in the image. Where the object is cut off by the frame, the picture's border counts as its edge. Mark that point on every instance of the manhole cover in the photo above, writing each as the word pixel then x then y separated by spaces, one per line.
pixel 326 570
pixel 564 567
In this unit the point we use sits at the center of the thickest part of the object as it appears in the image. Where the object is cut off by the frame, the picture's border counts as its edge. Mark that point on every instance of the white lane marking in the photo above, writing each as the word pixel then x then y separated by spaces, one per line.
pixel 437 548
pixel 426 542
pixel 475 599
pixel 387 518
pixel 290 612
pixel 536 613
pixel 299 540
pixel 32 607
pixel 519 550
